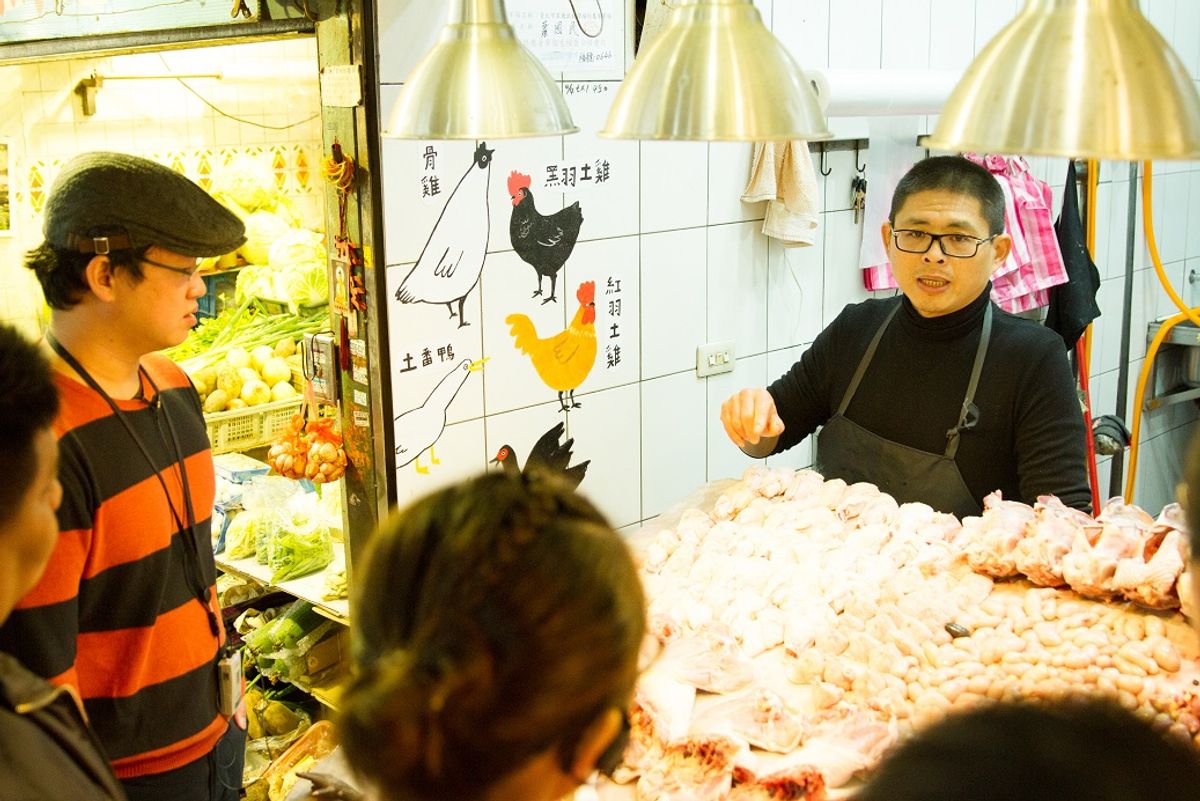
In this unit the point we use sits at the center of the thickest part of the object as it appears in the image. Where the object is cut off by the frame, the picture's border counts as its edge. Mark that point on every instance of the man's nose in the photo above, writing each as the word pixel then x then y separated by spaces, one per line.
pixel 941 254
pixel 196 287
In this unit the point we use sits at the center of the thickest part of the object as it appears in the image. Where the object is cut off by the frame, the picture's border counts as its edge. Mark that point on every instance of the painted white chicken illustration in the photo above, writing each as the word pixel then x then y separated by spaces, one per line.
pixel 419 429
pixel 452 260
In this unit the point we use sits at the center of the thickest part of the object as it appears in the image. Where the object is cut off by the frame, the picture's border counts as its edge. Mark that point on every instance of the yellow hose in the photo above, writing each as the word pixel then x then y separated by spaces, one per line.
pixel 1186 313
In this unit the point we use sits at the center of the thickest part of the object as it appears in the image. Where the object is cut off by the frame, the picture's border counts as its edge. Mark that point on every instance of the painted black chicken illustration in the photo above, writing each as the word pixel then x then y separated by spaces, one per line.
pixel 544 242
pixel 549 452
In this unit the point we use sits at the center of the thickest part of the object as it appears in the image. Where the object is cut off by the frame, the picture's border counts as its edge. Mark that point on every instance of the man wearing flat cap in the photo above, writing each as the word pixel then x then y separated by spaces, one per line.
pixel 126 612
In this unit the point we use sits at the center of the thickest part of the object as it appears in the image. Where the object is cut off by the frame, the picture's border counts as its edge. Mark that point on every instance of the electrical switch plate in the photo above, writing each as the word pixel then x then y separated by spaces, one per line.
pixel 714 358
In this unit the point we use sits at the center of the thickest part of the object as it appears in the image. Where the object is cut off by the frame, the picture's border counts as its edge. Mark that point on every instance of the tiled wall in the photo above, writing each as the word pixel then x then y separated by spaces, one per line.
pixel 695 269
pixel 42 120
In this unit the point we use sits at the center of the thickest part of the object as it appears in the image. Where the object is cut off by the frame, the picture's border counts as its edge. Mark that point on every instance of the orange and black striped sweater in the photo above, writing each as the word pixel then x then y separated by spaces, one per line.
pixel 115 613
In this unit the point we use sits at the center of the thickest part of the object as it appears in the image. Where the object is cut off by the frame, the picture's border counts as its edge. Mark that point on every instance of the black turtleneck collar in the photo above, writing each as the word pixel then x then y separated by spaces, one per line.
pixel 946 326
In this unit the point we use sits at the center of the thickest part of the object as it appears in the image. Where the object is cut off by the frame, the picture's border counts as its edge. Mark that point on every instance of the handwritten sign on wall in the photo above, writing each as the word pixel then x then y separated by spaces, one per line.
pixel 573 37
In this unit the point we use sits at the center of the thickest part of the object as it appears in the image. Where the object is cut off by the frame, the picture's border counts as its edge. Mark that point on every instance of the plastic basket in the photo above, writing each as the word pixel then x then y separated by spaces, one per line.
pixel 250 427
pixel 220 288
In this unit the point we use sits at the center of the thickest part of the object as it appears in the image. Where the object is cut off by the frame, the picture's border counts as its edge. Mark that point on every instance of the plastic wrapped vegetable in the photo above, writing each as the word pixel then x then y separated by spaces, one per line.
pixel 285 630
pixel 299 549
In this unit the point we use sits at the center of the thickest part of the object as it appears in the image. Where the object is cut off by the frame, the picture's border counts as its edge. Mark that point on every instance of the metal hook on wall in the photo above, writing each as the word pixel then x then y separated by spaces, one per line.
pixel 821 169
pixel 863 168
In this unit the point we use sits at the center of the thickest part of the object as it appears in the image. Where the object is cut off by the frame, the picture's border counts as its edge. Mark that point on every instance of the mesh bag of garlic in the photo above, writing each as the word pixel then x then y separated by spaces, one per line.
pixel 807 625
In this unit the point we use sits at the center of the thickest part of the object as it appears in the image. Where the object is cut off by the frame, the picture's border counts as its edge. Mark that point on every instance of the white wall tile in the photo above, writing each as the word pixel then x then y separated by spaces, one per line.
pixel 724 458
pixel 673 456
pixel 737 287
pixel 797 284
pixel 804 28
pixel 607 430
pixel 1193 231
pixel 729 171
pixel 906 36
pixel 1186 36
pixel 1160 465
pixel 674 185
pixel 459 453
pixel 855 32
pixel 1103 255
pixel 990 17
pixel 674 307
pixel 843 274
pixel 612 265
pixel 421 404
pixel 610 207
pixel 406 32
pixel 951 34
pixel 1161 14
pixel 1170 209
pixel 1189 287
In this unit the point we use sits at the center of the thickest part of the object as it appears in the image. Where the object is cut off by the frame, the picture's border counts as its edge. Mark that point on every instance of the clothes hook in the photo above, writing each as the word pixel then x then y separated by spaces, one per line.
pixel 863 168
pixel 822 169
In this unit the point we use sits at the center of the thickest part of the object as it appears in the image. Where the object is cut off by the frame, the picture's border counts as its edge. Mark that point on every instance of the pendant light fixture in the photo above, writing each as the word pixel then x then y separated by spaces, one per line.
pixel 479 82
pixel 1079 78
pixel 715 72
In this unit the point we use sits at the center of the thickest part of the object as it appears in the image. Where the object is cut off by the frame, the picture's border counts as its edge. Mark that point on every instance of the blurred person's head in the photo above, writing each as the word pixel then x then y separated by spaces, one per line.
pixel 30 492
pixel 497 630
pixel 1074 748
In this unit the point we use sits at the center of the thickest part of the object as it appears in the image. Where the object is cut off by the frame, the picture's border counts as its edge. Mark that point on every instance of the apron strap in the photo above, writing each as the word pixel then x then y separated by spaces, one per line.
pixel 866 361
pixel 969 415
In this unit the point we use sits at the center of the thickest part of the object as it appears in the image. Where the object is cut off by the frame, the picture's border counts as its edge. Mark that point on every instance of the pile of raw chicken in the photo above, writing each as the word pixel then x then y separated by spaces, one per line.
pixel 807 625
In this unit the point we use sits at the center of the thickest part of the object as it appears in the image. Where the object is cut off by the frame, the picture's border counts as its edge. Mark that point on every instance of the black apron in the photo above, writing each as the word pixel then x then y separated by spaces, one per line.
pixel 850 452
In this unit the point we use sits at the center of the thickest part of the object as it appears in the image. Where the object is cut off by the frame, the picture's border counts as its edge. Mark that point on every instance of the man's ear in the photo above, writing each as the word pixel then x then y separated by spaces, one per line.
pixel 596 737
pixel 1001 246
pixel 885 231
pixel 100 275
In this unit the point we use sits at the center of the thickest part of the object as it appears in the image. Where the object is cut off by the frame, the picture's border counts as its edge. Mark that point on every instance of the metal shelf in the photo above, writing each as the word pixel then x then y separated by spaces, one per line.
pixel 309 588
pixel 1182 335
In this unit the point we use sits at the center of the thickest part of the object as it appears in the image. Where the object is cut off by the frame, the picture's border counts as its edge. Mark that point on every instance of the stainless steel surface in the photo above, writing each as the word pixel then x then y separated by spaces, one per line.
pixel 1184 333
pixel 479 82
pixel 1081 78
pixel 715 73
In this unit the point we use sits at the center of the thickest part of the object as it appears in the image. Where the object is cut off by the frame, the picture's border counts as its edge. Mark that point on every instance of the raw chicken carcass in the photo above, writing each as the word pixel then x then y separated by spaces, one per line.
pixel 1092 563
pixel 1048 539
pixel 711 661
pixel 1149 578
pixel 761 717
pixel 660 713
pixel 990 541
pixel 801 783
pixel 843 741
pixel 696 768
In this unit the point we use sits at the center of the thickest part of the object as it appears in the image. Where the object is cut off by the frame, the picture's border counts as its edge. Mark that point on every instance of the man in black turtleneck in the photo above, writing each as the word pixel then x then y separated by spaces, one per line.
pixel 936 396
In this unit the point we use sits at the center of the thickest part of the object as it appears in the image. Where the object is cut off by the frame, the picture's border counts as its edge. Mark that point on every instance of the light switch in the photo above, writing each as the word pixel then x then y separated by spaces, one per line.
pixel 714 358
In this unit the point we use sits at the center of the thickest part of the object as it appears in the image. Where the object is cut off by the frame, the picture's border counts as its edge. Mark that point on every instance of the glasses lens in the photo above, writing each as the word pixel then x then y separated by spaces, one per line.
pixel 913 241
pixel 959 245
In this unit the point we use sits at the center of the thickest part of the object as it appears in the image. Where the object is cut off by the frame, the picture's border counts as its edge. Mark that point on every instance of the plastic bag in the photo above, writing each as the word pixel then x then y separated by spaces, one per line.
pixel 310 450
pixel 301 545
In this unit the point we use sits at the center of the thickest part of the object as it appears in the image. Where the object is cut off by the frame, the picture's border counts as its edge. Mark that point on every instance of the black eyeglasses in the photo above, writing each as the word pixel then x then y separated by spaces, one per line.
pixel 958 246
pixel 186 272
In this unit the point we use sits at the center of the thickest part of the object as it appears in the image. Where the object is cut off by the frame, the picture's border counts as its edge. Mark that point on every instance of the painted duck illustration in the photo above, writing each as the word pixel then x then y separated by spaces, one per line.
pixel 549 452
pixel 419 429
pixel 452 260
pixel 543 241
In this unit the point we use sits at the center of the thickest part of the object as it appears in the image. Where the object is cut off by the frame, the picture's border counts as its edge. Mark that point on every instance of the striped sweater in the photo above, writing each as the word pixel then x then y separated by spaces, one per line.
pixel 114 614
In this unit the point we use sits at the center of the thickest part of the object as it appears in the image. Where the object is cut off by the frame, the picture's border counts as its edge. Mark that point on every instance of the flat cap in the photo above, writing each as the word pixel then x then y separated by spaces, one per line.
pixel 153 204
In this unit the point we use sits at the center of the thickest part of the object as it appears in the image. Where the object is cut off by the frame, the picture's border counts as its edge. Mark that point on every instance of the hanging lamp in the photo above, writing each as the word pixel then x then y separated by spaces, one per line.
pixel 1079 78
pixel 715 72
pixel 479 82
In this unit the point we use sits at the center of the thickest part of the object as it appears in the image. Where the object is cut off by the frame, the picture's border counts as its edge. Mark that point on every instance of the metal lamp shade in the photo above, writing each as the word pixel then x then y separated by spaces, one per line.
pixel 479 82
pixel 715 73
pixel 1079 78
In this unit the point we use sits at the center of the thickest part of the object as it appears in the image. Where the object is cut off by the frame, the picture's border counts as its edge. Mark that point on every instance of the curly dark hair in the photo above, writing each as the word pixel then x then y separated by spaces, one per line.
pixel 28 405
pixel 495 619
pixel 61 271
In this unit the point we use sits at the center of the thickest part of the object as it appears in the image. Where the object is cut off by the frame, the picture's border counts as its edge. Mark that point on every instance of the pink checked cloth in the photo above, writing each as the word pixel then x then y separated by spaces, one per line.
pixel 1035 263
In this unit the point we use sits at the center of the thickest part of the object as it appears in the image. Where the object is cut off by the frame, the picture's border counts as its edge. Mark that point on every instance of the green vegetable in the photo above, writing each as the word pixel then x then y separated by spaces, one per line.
pixel 299 550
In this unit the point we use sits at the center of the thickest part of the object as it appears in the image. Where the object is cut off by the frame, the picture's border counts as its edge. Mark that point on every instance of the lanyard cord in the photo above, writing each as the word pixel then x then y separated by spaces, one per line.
pixel 201 591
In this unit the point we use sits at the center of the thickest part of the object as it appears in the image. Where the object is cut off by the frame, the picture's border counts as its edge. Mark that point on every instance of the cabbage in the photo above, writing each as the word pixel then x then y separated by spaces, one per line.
pixel 307 285
pixel 248 182
pixel 262 230
pixel 297 246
